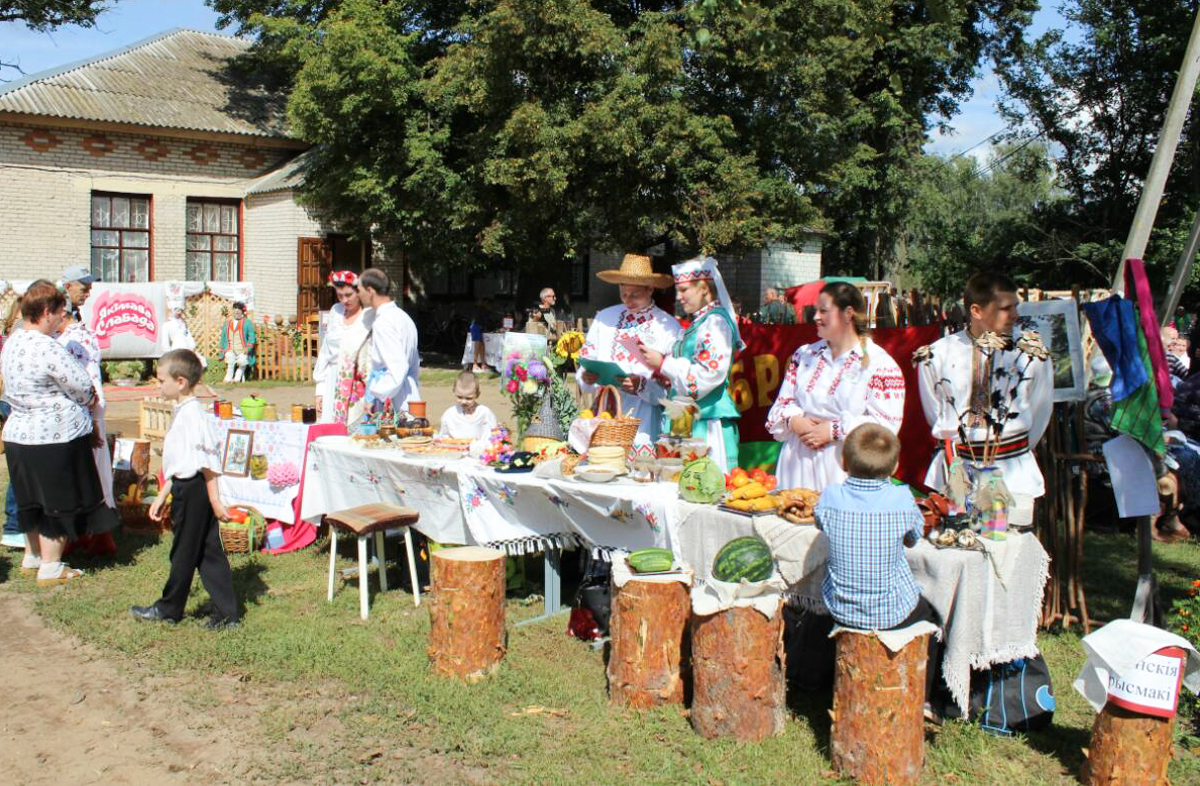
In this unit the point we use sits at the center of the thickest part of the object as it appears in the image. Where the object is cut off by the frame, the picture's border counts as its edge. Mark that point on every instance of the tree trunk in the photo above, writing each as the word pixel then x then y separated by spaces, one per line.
pixel 1128 748
pixel 878 733
pixel 737 670
pixel 648 627
pixel 466 612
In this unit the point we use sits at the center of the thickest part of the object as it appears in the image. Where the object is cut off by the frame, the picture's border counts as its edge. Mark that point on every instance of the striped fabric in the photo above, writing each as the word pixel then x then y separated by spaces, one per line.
pixel 869 584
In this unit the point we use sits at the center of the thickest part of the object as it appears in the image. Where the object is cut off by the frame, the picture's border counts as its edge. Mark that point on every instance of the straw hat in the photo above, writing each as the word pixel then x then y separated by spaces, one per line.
pixel 637 270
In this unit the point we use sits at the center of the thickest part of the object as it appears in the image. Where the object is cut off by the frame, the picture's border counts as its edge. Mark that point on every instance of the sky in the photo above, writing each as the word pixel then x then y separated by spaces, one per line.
pixel 128 21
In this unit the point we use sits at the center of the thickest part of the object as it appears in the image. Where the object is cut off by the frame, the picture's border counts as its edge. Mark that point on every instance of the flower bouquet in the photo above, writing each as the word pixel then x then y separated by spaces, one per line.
pixel 567 349
pixel 525 381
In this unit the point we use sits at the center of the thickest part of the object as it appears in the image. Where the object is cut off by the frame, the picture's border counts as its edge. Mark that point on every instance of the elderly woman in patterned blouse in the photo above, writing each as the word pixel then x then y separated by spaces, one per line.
pixel 47 438
pixel 832 385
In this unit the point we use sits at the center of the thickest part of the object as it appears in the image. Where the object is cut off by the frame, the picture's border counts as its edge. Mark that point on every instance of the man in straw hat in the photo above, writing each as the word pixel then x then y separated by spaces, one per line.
pixel 616 332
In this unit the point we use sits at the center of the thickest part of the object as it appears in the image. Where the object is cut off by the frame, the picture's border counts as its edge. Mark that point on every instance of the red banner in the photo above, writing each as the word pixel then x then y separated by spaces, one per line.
pixel 759 368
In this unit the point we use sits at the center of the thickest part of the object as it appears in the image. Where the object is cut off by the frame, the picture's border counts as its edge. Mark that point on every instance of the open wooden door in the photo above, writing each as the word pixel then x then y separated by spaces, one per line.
pixel 314 259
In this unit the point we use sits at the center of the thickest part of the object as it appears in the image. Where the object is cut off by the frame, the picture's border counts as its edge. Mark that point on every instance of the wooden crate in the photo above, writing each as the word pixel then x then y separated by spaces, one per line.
pixel 154 417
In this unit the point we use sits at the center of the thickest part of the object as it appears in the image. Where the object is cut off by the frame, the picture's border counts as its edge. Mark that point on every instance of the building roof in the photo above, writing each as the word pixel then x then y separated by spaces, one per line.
pixel 179 79
pixel 288 177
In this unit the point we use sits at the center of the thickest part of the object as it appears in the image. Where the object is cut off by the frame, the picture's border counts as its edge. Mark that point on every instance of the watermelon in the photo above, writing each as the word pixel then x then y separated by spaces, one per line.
pixel 746 558
pixel 650 560
pixel 702 481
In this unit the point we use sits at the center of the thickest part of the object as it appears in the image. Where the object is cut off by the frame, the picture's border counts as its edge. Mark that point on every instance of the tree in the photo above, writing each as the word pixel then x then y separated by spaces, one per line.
pixel 531 131
pixel 45 15
pixel 1101 102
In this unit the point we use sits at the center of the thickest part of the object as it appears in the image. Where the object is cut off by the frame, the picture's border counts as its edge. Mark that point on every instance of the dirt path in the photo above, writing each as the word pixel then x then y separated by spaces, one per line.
pixel 72 715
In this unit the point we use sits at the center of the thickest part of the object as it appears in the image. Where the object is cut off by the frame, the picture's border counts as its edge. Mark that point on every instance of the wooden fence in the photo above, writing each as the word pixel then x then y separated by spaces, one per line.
pixel 283 352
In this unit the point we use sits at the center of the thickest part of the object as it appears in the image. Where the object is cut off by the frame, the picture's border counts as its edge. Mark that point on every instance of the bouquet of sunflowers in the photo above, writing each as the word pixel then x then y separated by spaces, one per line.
pixel 566 350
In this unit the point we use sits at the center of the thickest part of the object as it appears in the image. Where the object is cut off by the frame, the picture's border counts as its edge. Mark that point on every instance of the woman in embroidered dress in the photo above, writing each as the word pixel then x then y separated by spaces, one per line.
pixel 698 365
pixel 637 319
pixel 831 386
pixel 346 329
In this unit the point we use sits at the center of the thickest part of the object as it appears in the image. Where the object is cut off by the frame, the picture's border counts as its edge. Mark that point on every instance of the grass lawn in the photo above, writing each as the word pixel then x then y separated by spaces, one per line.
pixel 432 730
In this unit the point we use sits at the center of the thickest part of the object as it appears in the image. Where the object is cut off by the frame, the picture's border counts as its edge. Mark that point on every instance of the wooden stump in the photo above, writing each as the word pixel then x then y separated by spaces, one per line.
pixel 878 733
pixel 738 686
pixel 648 627
pixel 466 612
pixel 1128 748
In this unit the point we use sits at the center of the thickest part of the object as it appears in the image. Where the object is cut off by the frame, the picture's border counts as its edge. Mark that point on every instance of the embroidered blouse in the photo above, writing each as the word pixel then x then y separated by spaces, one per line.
pixel 191 443
pixel 840 390
pixel 48 389
pixel 708 367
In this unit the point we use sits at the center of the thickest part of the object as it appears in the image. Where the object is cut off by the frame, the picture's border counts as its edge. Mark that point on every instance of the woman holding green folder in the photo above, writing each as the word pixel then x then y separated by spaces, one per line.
pixel 698 365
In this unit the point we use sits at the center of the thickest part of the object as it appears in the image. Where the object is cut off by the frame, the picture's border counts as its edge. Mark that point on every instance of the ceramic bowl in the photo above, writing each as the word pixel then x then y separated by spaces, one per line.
pixel 595 474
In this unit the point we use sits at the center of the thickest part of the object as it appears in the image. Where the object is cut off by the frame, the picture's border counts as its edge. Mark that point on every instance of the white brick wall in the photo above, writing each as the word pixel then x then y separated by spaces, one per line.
pixel 45 196
pixel 273 224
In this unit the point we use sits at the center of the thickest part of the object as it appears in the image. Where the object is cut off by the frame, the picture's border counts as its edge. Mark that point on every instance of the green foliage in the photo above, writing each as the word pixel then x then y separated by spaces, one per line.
pixel 561 397
pixel 1100 97
pixel 124 369
pixel 531 130
pixel 1184 619
pixel 46 15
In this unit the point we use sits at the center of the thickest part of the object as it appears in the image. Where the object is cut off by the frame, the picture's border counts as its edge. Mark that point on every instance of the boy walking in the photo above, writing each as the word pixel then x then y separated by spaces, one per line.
pixel 191 464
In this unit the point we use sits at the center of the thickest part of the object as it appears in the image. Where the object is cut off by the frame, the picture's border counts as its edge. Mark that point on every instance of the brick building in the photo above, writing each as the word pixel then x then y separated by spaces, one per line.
pixel 161 161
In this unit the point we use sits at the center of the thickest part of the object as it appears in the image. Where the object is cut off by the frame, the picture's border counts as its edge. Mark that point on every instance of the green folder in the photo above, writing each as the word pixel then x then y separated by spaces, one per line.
pixel 610 373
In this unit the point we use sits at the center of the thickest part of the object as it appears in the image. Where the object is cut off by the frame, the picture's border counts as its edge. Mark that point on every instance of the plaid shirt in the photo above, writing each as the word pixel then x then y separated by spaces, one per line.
pixel 869 584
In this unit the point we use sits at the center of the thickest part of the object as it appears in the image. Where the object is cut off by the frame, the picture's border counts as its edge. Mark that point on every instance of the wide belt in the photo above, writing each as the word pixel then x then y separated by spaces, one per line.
pixel 1007 448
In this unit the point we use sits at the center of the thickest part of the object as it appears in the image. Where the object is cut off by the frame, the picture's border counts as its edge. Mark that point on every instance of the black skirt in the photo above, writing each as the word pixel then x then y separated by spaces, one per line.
pixel 58 489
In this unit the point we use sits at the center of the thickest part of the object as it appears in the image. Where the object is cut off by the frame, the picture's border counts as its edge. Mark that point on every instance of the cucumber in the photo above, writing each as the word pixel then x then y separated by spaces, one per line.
pixel 651 560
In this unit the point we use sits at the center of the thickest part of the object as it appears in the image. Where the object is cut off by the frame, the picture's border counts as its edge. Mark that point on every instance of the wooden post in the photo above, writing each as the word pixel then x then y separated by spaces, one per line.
pixel 1128 748
pixel 878 733
pixel 467 638
pixel 648 627
pixel 738 681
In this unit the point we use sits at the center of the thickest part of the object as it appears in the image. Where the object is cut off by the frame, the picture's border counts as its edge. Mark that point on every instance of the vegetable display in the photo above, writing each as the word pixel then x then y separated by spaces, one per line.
pixel 651 560
pixel 702 481
pixel 746 558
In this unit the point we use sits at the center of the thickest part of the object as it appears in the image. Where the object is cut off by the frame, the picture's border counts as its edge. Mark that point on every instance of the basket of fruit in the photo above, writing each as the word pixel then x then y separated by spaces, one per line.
pixel 244 531
pixel 133 508
pixel 615 429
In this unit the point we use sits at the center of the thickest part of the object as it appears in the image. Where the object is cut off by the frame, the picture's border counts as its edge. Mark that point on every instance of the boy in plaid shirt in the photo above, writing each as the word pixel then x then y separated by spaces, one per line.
pixel 869 521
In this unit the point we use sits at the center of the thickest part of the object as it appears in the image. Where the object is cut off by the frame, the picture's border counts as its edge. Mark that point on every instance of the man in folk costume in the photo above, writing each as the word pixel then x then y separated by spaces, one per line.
pixel 698 365
pixel 237 344
pixel 615 332
pixel 395 364
pixel 987 397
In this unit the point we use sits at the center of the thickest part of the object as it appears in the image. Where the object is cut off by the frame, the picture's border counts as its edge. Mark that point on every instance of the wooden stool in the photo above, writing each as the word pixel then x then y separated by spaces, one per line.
pixel 467 638
pixel 364 521
pixel 647 665
pixel 878 733
pixel 738 685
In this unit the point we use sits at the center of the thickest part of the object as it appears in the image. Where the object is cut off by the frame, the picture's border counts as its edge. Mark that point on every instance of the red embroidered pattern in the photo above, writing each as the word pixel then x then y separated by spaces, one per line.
pixel 812 381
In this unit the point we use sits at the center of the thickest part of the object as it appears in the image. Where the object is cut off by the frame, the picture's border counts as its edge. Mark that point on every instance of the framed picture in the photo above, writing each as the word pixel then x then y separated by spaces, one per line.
pixel 236 460
pixel 1058 323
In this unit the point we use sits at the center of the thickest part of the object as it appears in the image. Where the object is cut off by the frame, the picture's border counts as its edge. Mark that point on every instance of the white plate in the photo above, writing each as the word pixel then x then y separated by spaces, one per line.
pixel 596 474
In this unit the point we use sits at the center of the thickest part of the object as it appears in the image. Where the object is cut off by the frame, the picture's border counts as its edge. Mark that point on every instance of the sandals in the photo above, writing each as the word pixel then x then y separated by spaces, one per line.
pixel 68 574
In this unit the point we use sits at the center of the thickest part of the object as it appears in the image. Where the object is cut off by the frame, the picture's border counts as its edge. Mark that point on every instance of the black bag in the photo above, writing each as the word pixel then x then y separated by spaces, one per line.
pixel 593 602
pixel 1010 697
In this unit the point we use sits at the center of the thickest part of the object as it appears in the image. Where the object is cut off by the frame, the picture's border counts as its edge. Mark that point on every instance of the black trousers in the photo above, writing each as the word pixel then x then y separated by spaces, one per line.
pixel 196 546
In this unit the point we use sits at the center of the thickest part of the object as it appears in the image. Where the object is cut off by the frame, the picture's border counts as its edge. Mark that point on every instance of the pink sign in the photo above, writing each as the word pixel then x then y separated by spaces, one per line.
pixel 123 312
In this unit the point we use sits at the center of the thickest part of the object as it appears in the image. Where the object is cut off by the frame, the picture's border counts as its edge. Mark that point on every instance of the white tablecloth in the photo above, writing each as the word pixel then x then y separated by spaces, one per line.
pixel 493 344
pixel 279 441
pixel 990 602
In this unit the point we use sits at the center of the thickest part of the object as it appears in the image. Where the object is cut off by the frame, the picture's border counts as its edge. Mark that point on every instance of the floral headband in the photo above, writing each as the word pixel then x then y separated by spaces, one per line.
pixel 340 278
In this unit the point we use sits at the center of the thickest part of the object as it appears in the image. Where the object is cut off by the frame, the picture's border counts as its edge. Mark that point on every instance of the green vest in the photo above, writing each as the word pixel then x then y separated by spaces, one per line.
pixel 717 404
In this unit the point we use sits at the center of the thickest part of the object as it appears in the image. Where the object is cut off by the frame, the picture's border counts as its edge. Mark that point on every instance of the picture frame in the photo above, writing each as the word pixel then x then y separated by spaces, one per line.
pixel 1057 321
pixel 239 447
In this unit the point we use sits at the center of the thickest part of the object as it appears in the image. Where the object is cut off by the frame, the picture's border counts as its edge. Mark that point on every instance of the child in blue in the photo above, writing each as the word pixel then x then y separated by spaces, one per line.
pixel 869 521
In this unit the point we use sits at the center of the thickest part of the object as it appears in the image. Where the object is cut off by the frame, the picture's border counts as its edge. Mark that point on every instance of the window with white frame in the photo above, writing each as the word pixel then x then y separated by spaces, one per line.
pixel 120 237
pixel 213 240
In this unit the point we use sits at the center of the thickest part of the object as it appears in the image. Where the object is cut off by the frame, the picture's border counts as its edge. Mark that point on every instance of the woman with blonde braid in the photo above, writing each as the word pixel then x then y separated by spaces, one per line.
pixel 832 385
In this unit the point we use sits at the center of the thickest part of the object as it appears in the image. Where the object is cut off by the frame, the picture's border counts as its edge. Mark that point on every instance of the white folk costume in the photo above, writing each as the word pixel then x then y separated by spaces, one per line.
pixel 965 386
pixel 653 327
pixel 395 364
pixel 842 390
pixel 81 342
pixel 341 340
pixel 699 363
pixel 179 335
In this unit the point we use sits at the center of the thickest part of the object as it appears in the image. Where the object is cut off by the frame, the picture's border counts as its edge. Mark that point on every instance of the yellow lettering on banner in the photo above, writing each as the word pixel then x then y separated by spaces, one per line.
pixel 739 388
pixel 766 374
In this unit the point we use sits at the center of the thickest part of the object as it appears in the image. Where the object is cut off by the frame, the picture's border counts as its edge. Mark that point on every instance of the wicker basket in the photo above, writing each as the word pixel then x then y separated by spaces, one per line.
pixel 135 517
pixel 618 432
pixel 243 538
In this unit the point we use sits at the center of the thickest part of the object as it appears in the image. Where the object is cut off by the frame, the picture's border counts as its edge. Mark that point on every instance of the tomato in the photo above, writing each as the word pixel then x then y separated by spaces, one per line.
pixel 740 480
pixel 759 475
pixel 739 472
pixel 770 483
pixel 237 516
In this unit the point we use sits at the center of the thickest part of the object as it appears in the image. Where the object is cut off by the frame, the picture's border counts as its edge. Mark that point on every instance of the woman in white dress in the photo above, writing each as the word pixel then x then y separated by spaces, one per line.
pixel 616 330
pixel 831 386
pixel 346 331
